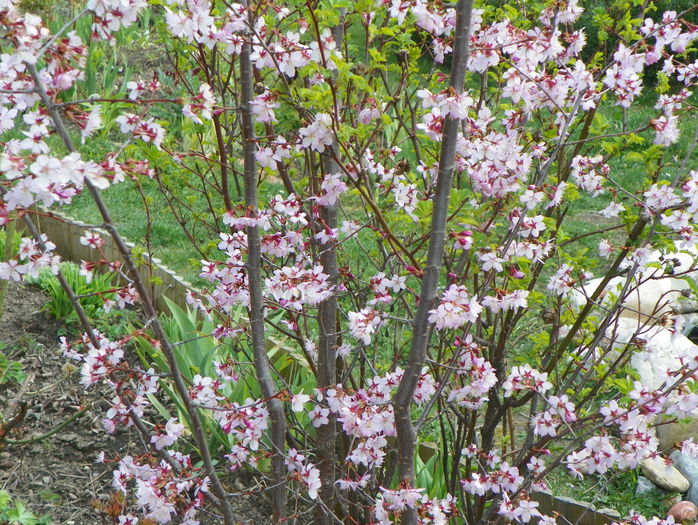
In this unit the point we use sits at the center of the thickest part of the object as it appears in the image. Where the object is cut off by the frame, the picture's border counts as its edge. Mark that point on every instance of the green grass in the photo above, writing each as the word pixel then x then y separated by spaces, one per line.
pixel 168 242
pixel 626 169
pixel 615 491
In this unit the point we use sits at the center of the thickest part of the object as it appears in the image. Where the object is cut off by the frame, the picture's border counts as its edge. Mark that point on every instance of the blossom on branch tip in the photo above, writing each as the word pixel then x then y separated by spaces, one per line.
pixel 304 472
pixel 612 210
pixel 294 288
pixel 562 282
pixel 172 431
pixel 318 134
pixel 332 186
pixel 526 378
pixel 667 129
pixel 201 106
pixel 457 308
pixel 263 105
pixel 92 123
pixel 92 239
pixel 363 324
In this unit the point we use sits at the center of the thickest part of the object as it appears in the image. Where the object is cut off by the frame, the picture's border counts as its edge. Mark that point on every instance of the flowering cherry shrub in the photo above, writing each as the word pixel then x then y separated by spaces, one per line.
pixel 385 187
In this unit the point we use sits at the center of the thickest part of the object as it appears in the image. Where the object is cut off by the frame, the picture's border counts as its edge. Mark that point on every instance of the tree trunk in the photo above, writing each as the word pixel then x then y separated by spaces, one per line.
pixel 256 309
pixel 406 435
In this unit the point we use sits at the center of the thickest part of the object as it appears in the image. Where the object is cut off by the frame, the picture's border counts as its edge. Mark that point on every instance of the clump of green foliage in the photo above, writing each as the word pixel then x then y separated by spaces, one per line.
pixel 92 294
pixel 196 351
pixel 15 512
pixel 10 370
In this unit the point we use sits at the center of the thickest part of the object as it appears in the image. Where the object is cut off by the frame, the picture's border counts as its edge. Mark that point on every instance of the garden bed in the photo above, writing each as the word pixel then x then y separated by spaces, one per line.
pixel 58 475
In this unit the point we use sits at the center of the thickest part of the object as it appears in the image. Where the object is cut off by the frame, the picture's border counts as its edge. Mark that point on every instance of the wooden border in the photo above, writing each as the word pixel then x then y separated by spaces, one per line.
pixel 65 233
pixel 569 511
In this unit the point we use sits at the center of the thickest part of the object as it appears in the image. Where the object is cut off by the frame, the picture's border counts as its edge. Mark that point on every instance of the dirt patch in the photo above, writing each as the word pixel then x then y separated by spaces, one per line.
pixel 58 475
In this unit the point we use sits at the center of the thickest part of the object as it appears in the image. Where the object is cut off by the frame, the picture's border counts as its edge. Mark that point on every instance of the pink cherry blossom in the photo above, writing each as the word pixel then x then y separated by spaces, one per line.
pixel 364 324
pixel 317 135
pixel 457 308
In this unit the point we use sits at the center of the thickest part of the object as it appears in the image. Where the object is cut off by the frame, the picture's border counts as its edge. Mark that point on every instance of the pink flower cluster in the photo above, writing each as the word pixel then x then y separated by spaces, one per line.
pixel 31 259
pixel 476 374
pixel 163 489
pixel 457 308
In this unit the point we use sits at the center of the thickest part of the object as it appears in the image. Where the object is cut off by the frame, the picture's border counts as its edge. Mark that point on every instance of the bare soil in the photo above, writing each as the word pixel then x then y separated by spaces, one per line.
pixel 58 475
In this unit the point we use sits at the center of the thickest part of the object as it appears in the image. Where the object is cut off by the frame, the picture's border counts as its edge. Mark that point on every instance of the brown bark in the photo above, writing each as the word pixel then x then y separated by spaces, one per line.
pixel 327 347
pixel 406 435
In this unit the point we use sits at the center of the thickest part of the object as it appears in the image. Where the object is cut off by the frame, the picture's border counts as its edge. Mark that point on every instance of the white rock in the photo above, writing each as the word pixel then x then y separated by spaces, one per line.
pixel 650 294
pixel 665 476
pixel 650 315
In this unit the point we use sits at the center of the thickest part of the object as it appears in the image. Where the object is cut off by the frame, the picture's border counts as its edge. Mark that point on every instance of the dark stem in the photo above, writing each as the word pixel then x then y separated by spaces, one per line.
pixel 328 324
pixel 406 435
pixel 256 308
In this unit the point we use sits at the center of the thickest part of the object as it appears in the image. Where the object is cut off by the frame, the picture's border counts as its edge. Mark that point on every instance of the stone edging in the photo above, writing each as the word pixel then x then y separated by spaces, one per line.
pixel 573 511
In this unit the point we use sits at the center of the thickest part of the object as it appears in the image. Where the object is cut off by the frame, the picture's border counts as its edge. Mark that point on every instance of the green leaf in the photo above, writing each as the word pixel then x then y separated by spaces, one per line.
pixel 377 56
pixel 187 353
pixel 21 516
pixel 662 82
pixel 4 499
pixel 599 124
pixel 164 413
pixel 634 156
